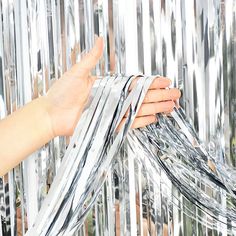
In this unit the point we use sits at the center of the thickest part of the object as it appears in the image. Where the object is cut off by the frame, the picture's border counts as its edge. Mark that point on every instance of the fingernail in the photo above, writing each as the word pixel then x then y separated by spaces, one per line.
pixel 82 54
pixel 95 37
pixel 177 104
pixel 170 106
pixel 155 119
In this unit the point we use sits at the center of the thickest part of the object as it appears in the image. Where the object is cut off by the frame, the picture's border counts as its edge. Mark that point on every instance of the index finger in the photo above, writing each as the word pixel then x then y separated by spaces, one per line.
pixel 158 83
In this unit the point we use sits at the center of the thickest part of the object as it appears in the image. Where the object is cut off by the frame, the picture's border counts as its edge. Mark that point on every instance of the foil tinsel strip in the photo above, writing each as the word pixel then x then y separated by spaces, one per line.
pixel 192 42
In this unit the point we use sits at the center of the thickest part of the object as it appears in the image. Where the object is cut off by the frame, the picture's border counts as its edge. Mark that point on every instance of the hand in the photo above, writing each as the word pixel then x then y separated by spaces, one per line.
pixel 57 113
pixel 67 97
pixel 157 100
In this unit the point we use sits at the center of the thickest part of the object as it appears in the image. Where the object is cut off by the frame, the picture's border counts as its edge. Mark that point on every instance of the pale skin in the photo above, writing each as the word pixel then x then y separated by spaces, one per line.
pixel 57 113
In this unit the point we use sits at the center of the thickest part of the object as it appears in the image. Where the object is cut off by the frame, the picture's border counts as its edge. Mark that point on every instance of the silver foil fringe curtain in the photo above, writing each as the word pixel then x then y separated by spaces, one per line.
pixel 164 180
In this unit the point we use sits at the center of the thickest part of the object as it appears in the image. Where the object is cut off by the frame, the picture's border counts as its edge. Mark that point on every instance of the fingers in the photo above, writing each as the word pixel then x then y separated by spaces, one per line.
pixel 158 83
pixel 146 114
pixel 153 108
pixel 159 95
pixel 157 100
pixel 139 122
pixel 90 60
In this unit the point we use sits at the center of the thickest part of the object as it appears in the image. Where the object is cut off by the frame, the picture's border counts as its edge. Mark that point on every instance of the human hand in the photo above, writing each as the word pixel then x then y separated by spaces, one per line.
pixel 67 97
pixel 157 100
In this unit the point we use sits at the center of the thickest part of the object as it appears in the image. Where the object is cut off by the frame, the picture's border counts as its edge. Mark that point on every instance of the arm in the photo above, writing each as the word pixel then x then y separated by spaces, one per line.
pixel 23 132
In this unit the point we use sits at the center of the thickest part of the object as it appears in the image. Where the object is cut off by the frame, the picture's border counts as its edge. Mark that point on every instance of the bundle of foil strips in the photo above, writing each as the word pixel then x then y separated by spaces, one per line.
pixel 191 42
pixel 171 146
pixel 87 160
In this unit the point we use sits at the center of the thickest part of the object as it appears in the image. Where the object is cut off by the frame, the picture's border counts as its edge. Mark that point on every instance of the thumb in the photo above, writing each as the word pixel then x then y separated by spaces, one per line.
pixel 90 60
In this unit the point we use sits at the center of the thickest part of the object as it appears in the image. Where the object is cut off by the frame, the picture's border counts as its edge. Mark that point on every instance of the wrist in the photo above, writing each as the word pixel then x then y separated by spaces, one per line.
pixel 44 108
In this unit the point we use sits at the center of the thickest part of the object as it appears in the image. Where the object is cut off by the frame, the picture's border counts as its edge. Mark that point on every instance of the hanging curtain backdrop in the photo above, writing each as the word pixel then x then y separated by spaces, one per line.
pixel 174 181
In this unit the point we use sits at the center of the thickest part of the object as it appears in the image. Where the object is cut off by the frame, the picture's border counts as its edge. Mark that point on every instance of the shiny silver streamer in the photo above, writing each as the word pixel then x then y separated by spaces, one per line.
pixel 192 42
pixel 87 160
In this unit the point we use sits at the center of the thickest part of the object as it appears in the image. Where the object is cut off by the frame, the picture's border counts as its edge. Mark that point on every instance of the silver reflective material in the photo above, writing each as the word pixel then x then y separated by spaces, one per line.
pixel 89 155
pixel 166 179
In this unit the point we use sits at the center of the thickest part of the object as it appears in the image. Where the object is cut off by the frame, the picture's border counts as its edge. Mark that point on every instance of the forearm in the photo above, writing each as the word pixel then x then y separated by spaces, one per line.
pixel 23 132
